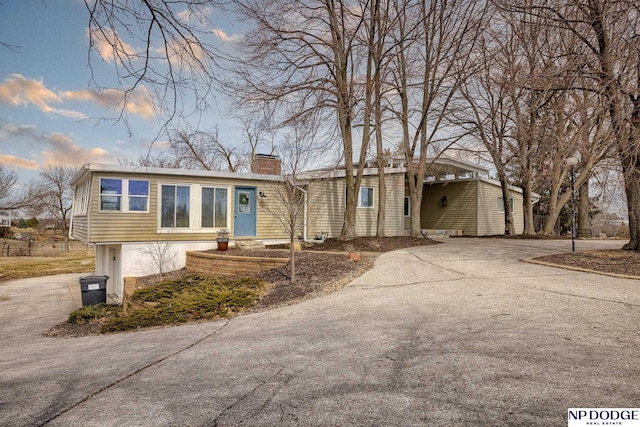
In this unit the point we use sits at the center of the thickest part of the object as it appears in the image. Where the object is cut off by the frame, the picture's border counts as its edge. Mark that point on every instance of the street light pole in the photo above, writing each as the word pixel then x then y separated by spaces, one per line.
pixel 572 162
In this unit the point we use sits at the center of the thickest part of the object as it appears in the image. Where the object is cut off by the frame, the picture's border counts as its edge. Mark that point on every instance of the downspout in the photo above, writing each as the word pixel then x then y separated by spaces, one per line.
pixel 72 210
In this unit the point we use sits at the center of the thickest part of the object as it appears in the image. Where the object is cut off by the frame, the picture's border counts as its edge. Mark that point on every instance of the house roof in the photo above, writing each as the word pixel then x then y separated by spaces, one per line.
pixel 125 169
pixel 436 167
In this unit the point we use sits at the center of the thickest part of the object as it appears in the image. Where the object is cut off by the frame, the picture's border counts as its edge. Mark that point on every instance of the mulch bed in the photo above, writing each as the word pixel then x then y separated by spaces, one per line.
pixel 370 244
pixel 608 261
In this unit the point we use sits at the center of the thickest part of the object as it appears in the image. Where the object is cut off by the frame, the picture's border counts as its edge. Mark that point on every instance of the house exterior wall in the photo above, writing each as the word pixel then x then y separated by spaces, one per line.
pixel 490 218
pixel 80 228
pixel 116 226
pixel 460 212
pixel 327 204
pixel 137 260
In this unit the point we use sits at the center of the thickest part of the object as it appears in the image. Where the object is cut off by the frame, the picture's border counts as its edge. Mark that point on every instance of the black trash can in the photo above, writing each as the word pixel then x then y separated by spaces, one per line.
pixel 94 289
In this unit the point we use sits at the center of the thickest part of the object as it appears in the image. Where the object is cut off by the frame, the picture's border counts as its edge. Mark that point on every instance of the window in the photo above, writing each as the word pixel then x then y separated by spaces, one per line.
pixel 174 206
pixel 138 195
pixel 365 198
pixel 81 202
pixel 407 206
pixel 214 207
pixel 110 194
pixel 126 195
pixel 501 204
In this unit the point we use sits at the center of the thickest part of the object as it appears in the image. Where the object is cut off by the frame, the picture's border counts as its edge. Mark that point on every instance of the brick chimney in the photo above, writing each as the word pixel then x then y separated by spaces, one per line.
pixel 266 164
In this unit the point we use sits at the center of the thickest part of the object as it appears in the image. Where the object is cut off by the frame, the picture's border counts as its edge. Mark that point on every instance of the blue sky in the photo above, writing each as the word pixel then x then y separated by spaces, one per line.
pixel 49 103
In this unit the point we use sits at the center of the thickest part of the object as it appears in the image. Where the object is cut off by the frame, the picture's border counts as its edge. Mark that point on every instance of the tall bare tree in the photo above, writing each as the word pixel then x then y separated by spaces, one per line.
pixel 306 54
pixel 607 54
pixel 433 44
pixel 489 114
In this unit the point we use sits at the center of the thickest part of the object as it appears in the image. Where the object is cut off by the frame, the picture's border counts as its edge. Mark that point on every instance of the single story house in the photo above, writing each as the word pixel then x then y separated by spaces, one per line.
pixel 139 216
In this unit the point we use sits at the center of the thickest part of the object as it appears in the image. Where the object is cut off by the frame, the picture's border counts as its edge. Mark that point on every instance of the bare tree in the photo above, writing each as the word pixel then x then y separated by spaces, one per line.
pixel 161 254
pixel 489 115
pixel 8 179
pixel 433 44
pixel 162 46
pixel 52 194
pixel 205 150
pixel 302 59
pixel 606 54
pixel 291 197
pixel 256 133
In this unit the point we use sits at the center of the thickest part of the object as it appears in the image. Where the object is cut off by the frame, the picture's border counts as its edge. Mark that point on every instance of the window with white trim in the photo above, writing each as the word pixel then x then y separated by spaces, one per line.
pixel 365 197
pixel 138 192
pixel 174 206
pixel 214 207
pixel 110 194
pixel 124 195
pixel 501 204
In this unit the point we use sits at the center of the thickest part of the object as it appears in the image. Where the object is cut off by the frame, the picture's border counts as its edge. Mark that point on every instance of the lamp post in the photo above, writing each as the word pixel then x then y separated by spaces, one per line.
pixel 572 162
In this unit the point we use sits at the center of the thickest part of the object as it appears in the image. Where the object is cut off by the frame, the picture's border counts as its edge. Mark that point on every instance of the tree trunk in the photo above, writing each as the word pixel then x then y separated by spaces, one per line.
pixel 552 210
pixel 509 228
pixel 527 206
pixel 631 168
pixel 292 261
pixel 584 220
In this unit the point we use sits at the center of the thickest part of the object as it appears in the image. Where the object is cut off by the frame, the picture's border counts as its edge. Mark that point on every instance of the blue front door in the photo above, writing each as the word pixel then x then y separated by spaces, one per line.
pixel 245 212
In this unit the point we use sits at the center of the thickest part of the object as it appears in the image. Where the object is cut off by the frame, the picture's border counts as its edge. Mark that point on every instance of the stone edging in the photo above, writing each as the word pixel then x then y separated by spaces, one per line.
pixel 581 269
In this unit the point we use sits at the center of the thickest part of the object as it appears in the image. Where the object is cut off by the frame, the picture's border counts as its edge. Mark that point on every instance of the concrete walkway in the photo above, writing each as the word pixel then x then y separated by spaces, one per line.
pixel 454 334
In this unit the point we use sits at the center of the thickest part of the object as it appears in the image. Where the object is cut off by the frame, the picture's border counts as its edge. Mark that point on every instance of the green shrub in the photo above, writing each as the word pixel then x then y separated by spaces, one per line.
pixel 88 313
pixel 192 297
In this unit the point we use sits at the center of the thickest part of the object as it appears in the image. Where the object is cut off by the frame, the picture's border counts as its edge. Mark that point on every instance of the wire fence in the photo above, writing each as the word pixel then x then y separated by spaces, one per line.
pixel 52 248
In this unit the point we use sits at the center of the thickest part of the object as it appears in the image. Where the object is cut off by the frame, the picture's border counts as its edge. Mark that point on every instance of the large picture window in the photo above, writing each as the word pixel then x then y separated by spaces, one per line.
pixel 214 207
pixel 175 206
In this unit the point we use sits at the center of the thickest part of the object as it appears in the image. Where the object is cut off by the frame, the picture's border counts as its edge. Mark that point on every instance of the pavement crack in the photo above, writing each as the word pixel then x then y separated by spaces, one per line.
pixel 249 394
pixel 142 369
pixel 626 304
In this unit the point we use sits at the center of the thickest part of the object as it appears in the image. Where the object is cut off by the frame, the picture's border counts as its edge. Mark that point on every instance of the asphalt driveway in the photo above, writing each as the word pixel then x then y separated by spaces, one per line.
pixel 455 334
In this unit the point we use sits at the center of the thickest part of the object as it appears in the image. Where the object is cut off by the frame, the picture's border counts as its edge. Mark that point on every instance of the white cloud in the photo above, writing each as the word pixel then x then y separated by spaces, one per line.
pixel 138 102
pixel 110 46
pixel 224 37
pixel 11 160
pixel 65 150
pixel 52 147
pixel 18 90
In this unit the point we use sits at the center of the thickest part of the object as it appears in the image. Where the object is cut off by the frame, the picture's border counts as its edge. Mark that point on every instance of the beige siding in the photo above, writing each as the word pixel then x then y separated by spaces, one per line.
pixel 120 226
pixel 137 227
pixel 460 212
pixel 327 204
pixel 326 207
pixel 270 209
pixel 79 230
pixel 490 219
pixel 394 215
